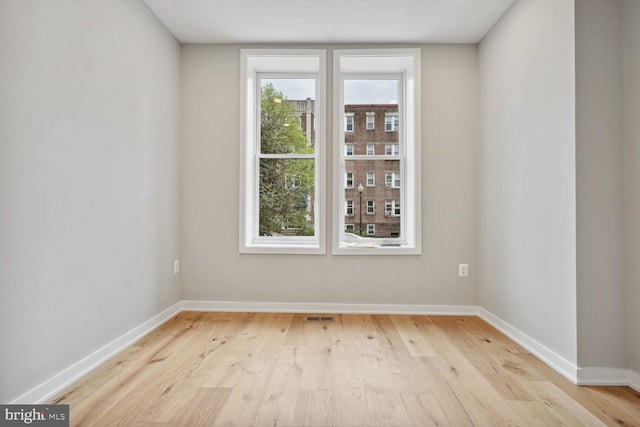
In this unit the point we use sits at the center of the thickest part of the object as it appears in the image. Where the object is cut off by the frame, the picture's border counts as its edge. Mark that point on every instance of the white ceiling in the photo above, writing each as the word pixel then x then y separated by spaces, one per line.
pixel 329 21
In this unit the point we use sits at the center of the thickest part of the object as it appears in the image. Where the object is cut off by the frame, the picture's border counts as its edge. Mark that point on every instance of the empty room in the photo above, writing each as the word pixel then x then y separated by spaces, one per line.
pixel 291 213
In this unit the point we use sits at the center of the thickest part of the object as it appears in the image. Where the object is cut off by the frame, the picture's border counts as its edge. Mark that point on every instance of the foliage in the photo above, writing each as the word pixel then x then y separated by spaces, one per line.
pixel 286 185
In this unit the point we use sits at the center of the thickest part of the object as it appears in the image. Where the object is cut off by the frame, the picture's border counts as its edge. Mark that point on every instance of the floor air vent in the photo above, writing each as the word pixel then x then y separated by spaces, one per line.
pixel 320 319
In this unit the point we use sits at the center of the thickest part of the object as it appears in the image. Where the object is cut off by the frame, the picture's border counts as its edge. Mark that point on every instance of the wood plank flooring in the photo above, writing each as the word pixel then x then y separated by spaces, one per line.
pixel 265 369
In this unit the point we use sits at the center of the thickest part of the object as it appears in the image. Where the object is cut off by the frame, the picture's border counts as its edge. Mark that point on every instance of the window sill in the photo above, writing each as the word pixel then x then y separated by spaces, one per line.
pixel 290 249
pixel 374 249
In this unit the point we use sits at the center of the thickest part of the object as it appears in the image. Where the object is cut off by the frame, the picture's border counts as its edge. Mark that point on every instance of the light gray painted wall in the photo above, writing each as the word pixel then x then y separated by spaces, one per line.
pixel 213 268
pixel 89 178
pixel 527 218
pixel 631 99
pixel 600 190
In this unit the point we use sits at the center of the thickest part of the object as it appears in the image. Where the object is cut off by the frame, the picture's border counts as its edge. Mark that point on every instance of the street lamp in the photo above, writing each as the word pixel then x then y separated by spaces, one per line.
pixel 360 190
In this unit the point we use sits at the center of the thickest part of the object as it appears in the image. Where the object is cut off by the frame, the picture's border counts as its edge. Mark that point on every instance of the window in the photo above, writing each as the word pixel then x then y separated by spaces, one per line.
pixel 371 179
pixel 348 122
pixel 348 208
pixel 349 228
pixel 391 149
pixel 391 122
pixel 371 207
pixel 392 208
pixel 348 180
pixel 386 83
pixel 348 149
pixel 282 163
pixel 392 179
pixel 371 121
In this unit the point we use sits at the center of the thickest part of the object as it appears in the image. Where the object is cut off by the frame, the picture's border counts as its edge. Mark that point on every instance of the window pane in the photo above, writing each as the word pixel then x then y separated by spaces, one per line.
pixel 286 197
pixel 287 116
pixel 387 221
pixel 363 100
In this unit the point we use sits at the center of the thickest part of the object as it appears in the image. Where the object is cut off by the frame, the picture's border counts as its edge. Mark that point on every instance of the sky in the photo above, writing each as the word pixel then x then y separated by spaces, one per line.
pixel 355 91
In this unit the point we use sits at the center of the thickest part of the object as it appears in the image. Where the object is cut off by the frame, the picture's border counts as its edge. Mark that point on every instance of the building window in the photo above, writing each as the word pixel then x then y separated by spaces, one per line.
pixel 392 208
pixel 348 180
pixel 282 204
pixel 348 122
pixel 392 179
pixel 348 149
pixel 357 76
pixel 371 120
pixel 371 207
pixel 349 228
pixel 371 179
pixel 348 208
pixel 391 122
pixel 391 149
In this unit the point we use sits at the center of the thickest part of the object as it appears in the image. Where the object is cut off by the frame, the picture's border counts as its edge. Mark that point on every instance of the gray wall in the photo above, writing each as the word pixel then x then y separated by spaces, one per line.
pixel 89 178
pixel 527 218
pixel 631 134
pixel 213 268
pixel 600 188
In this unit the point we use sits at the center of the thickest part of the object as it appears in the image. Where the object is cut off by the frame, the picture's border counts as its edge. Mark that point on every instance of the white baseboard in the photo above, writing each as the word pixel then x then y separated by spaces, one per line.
pixel 603 376
pixel 49 388
pixel 563 366
pixel 634 380
pixel 337 308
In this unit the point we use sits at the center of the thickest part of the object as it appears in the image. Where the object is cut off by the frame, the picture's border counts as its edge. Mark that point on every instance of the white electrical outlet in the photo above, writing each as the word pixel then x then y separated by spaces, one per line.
pixel 176 266
pixel 463 270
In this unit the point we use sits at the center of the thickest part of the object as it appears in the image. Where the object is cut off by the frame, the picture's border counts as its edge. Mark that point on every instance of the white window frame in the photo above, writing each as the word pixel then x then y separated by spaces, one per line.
pixel 373 63
pixel 391 149
pixel 346 180
pixel 396 181
pixel 395 122
pixel 348 152
pixel 347 207
pixel 295 63
pixel 346 122
pixel 372 176
pixel 391 207
pixel 371 149
pixel 370 120
pixel 370 207
pixel 371 229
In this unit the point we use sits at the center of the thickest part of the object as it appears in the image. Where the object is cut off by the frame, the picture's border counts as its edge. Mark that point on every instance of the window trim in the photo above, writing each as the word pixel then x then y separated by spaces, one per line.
pixel 393 122
pixel 395 176
pixel 346 180
pixel 353 122
pixel 371 174
pixel 279 62
pixel 370 204
pixel 406 62
pixel 371 115
pixel 349 144
pixel 346 208
pixel 391 213
pixel 395 150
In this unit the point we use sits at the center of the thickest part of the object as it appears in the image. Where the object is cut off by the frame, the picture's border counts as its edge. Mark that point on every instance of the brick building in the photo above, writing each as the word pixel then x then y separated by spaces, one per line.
pixel 372 130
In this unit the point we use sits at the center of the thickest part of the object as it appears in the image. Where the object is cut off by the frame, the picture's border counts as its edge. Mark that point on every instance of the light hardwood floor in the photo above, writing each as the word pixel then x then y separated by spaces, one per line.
pixel 264 369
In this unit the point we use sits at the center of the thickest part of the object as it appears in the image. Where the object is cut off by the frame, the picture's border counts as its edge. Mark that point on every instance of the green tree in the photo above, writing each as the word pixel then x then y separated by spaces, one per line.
pixel 285 184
